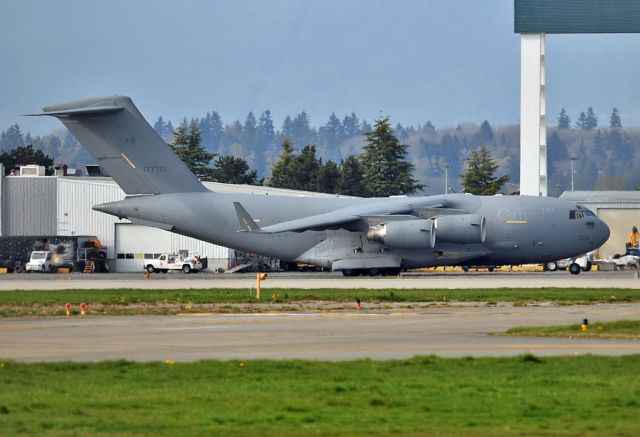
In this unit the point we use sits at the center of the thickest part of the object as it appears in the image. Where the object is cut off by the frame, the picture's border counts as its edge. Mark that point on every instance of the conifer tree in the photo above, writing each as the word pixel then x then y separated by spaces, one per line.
pixel 283 170
pixel 564 122
pixel 385 168
pixel 480 175
pixel 351 181
pixel 188 147
pixel 614 121
pixel 233 170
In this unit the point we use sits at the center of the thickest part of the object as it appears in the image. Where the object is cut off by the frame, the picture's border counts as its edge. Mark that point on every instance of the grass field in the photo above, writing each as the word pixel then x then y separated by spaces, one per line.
pixel 622 329
pixel 128 301
pixel 584 395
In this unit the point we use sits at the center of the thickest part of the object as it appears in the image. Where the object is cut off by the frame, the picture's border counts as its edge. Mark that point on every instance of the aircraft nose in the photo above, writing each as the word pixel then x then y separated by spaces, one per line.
pixel 602 232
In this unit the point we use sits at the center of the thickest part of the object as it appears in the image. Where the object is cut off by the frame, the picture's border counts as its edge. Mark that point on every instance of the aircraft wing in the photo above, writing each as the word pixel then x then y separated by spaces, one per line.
pixel 335 218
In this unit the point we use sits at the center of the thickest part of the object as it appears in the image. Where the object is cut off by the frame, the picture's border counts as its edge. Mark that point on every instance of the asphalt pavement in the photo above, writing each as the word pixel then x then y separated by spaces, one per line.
pixel 449 332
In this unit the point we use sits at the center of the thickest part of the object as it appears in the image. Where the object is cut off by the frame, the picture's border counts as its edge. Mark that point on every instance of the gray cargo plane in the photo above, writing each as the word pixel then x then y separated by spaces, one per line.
pixel 353 235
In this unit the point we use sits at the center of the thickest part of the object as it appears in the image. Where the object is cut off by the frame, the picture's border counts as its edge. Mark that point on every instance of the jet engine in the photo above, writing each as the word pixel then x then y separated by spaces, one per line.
pixel 404 234
pixel 461 228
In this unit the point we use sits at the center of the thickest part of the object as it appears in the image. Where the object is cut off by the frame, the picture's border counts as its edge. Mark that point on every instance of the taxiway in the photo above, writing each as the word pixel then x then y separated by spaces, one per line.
pixel 451 332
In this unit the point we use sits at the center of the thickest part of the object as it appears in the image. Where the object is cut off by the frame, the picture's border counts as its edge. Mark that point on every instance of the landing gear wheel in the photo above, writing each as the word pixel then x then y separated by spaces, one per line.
pixel 588 267
pixel 373 272
pixel 165 270
pixel 349 273
pixel 575 269
pixel 551 266
pixel 491 269
pixel 186 268
pixel 150 269
pixel 465 269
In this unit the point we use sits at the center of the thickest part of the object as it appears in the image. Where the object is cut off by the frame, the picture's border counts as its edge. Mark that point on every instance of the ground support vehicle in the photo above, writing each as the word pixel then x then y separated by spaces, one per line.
pixel 575 265
pixel 166 262
pixel 40 262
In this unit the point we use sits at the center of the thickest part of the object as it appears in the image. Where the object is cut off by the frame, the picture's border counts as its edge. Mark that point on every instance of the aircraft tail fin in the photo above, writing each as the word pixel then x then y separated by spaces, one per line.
pixel 115 133
pixel 247 223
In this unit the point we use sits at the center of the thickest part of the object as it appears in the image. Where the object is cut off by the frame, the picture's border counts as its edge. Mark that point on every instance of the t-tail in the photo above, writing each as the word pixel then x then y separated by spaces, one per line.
pixel 125 145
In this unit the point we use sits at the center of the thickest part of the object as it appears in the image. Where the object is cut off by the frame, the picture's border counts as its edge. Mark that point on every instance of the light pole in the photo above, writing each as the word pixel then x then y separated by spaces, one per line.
pixel 446 179
pixel 573 158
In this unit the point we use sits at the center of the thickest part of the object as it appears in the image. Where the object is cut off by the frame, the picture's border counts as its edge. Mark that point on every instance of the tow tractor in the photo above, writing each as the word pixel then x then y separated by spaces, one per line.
pixel 582 263
pixel 166 262
pixel 40 262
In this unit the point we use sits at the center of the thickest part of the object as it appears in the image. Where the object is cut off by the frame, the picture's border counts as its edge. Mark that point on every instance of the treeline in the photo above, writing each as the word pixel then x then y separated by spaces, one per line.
pixel 605 157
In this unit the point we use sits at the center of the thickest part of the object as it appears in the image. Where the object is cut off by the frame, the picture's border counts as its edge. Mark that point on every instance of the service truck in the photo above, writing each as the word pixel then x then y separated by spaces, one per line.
pixel 166 262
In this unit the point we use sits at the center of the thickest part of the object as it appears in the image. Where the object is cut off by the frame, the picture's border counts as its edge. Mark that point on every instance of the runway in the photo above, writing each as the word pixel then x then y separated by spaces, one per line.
pixel 176 281
pixel 450 332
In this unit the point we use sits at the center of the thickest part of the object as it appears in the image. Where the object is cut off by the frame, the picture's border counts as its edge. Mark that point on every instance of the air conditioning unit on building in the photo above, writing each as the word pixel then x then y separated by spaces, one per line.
pixel 32 170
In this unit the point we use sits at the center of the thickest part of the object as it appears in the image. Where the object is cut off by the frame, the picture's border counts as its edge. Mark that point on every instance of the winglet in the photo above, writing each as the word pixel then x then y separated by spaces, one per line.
pixel 247 223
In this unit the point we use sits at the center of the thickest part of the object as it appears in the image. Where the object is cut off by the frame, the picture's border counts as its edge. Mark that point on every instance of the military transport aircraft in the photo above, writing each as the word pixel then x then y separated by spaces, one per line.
pixel 353 235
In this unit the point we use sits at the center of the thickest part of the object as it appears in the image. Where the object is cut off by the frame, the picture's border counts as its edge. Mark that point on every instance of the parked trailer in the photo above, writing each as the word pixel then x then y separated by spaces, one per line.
pixel 72 252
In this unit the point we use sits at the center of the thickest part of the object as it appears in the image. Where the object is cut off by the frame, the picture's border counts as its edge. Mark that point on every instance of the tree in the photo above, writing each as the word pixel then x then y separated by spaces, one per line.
pixel 233 170
pixel 581 123
pixel 212 130
pixel 386 171
pixel 591 120
pixel 328 177
pixel 351 182
pixel 484 135
pixel 564 122
pixel 25 155
pixel 12 138
pixel 249 131
pixel 283 170
pixel 614 121
pixel 307 167
pixel 351 125
pixel 266 132
pixel 188 147
pixel 479 177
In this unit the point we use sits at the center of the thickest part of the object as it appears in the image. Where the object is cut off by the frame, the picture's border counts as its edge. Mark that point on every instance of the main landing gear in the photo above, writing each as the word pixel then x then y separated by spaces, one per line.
pixel 389 271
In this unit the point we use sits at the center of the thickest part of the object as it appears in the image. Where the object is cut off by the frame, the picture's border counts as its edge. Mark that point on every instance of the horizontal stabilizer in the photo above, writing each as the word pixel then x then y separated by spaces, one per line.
pixel 247 223
pixel 91 110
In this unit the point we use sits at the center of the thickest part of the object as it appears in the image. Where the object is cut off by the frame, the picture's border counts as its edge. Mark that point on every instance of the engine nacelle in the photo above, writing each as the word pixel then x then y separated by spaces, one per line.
pixel 404 234
pixel 461 228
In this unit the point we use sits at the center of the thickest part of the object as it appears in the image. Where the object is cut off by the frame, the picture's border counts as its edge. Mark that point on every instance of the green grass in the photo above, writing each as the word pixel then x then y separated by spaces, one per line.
pixel 127 301
pixel 622 329
pixel 584 395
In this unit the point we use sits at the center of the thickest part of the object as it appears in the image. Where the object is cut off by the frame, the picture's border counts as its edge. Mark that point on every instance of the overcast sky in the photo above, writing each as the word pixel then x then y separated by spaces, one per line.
pixel 415 60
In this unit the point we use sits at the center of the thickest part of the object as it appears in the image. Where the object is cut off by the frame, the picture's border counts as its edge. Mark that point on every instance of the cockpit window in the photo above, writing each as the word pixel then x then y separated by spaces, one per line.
pixel 580 212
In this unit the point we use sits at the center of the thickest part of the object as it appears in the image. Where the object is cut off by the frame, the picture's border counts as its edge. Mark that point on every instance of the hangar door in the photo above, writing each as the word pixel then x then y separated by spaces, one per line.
pixel 134 243
pixel 620 222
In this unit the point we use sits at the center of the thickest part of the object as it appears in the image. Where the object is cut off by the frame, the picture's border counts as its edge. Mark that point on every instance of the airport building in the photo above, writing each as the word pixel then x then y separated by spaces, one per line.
pixel 34 204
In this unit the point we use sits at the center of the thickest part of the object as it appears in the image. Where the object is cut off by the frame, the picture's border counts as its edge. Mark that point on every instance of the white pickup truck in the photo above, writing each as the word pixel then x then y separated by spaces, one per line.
pixel 166 262
pixel 40 262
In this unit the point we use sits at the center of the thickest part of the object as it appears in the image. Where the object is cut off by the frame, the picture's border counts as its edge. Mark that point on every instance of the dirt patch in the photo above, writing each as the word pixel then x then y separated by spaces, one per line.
pixel 141 308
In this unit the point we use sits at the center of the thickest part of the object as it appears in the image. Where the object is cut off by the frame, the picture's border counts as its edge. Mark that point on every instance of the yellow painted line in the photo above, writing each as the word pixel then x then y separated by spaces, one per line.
pixel 517 222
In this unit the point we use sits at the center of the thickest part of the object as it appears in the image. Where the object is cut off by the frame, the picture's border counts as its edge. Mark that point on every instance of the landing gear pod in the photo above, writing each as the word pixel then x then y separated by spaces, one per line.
pixel 461 228
pixel 405 234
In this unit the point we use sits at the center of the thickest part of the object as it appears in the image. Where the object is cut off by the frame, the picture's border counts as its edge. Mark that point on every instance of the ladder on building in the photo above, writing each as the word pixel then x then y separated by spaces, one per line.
pixel 89 267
